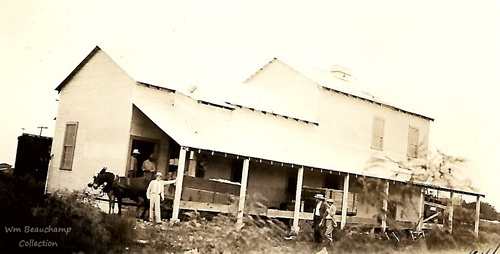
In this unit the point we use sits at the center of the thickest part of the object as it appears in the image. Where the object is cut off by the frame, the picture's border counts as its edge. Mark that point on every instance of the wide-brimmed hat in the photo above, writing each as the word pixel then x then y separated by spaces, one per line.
pixel 159 174
pixel 319 196
pixel 136 151
pixel 330 200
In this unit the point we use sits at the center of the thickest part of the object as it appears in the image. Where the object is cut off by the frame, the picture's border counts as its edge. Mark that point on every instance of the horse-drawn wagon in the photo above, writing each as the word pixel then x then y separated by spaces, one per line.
pixel 214 195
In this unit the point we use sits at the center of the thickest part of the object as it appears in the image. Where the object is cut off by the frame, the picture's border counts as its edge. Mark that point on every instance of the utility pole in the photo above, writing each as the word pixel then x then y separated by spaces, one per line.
pixel 41 129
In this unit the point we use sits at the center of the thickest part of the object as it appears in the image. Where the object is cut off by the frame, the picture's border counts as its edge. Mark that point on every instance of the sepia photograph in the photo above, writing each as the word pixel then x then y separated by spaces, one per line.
pixel 249 126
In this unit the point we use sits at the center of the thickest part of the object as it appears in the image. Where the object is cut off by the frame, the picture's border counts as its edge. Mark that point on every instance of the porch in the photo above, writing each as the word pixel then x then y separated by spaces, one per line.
pixel 219 192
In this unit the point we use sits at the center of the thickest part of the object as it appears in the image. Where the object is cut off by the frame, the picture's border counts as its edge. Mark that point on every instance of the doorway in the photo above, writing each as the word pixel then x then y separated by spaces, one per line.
pixel 145 148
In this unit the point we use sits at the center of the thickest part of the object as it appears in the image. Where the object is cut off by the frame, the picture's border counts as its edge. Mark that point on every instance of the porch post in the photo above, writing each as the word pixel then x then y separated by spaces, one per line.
pixel 178 184
pixel 243 190
pixel 478 208
pixel 298 194
pixel 421 210
pixel 384 206
pixel 450 212
pixel 345 195
pixel 191 170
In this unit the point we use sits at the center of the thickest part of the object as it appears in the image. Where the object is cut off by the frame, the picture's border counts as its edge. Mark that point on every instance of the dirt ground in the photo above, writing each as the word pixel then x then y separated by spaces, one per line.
pixel 201 236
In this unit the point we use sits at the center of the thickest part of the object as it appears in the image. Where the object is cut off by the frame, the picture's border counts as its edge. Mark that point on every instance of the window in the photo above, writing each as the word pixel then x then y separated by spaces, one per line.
pixel 69 146
pixel 378 133
pixel 413 142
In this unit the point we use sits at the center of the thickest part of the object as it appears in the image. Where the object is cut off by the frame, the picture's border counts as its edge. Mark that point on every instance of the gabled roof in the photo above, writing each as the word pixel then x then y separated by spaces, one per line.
pixel 329 82
pixel 257 134
pixel 139 69
pixel 78 68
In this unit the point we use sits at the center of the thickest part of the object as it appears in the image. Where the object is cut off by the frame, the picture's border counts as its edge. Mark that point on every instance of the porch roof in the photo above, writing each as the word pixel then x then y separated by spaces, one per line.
pixel 437 187
pixel 293 143
pixel 252 134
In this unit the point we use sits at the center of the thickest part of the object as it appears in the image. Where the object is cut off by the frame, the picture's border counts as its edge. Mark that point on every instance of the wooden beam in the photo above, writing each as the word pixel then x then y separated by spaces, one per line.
pixel 208 207
pixel 178 184
pixel 345 194
pixel 274 213
pixel 435 205
pixel 478 210
pixel 450 212
pixel 298 193
pixel 432 216
pixel 385 206
pixel 243 190
pixel 420 222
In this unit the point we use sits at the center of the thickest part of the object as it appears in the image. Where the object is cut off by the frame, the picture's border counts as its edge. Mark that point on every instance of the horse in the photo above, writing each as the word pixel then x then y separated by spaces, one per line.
pixel 118 187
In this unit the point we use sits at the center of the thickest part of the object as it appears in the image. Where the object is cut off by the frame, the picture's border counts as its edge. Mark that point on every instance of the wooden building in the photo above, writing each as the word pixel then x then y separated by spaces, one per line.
pixel 33 156
pixel 284 135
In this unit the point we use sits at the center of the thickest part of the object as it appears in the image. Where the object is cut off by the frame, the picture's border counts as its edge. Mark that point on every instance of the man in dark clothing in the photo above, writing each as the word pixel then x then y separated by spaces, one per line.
pixel 319 218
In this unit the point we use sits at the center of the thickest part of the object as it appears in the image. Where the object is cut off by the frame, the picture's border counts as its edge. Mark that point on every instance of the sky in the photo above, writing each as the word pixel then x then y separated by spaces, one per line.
pixel 436 58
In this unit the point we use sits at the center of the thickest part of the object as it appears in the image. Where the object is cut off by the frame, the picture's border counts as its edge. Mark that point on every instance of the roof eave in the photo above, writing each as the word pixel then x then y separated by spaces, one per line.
pixel 260 69
pixel 379 103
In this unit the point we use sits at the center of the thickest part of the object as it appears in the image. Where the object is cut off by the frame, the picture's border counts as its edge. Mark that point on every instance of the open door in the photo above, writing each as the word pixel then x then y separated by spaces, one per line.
pixel 145 149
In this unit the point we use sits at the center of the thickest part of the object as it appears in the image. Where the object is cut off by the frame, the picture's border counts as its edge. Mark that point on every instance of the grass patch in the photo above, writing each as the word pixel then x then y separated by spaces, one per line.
pixel 22 203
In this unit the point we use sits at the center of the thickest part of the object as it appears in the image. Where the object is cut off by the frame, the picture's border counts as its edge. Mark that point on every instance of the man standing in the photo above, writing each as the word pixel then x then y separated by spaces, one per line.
pixel 330 218
pixel 319 218
pixel 149 167
pixel 155 194
pixel 132 164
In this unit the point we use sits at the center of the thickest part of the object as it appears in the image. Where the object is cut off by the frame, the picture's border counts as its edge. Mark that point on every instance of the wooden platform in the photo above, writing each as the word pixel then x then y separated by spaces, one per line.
pixel 209 191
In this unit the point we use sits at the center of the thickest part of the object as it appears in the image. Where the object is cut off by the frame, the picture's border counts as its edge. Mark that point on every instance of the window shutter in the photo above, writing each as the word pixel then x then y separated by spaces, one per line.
pixel 69 146
pixel 378 133
pixel 413 142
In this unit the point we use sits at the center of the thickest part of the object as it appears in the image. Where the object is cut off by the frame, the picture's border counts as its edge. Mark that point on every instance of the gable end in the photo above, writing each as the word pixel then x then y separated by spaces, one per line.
pixel 78 68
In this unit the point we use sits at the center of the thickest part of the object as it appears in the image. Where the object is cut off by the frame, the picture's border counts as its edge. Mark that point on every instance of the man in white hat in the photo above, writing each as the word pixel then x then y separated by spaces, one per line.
pixel 132 164
pixel 319 218
pixel 155 194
